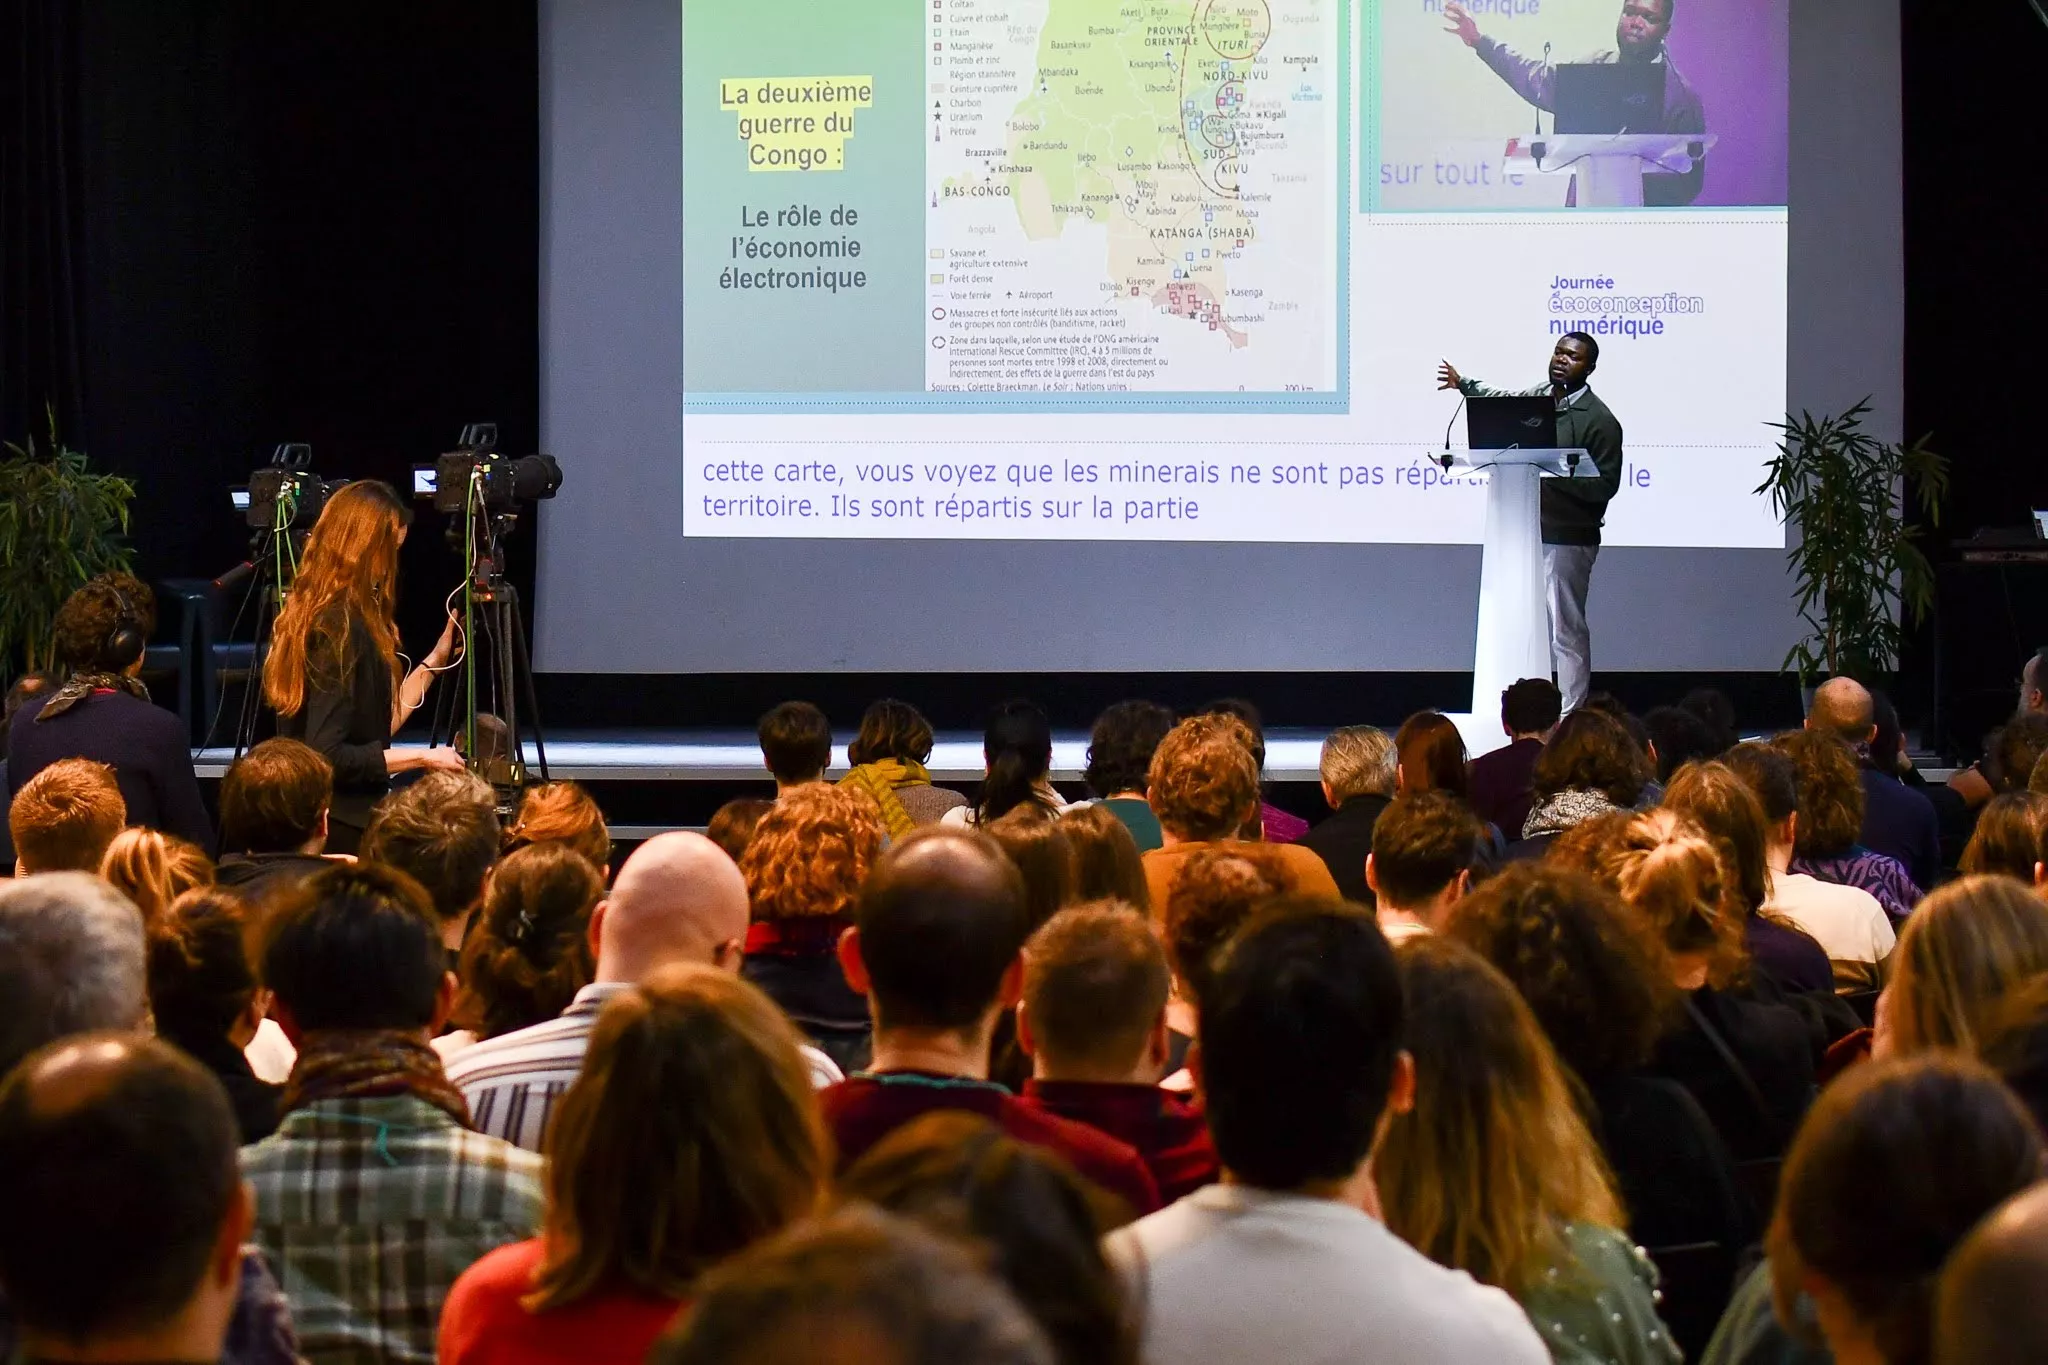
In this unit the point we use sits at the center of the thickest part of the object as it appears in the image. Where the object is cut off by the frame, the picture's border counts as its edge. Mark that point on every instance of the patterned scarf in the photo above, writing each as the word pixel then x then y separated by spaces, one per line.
pixel 880 780
pixel 1572 806
pixel 347 1064
pixel 79 686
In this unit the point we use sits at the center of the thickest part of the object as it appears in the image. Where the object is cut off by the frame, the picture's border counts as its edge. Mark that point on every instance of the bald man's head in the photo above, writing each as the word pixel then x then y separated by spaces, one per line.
pixel 941 918
pixel 124 1201
pixel 1990 1309
pixel 679 898
pixel 1844 707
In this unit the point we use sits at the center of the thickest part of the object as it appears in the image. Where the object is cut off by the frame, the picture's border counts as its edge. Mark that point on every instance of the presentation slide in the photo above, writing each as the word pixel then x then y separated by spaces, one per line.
pixel 1183 270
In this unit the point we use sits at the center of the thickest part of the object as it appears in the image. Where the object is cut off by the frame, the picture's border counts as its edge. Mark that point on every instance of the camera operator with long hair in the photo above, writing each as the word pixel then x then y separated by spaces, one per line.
pixel 332 673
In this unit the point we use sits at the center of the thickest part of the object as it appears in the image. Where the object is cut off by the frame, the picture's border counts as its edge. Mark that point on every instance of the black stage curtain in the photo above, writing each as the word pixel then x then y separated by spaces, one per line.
pixel 41 361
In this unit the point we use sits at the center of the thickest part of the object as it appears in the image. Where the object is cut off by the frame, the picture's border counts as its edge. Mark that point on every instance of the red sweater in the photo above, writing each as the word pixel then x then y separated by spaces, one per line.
pixel 483 1324
pixel 1169 1131
pixel 863 1110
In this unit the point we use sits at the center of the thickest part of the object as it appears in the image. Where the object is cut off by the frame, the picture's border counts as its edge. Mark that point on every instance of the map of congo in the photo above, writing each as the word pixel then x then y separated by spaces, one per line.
pixel 1168 177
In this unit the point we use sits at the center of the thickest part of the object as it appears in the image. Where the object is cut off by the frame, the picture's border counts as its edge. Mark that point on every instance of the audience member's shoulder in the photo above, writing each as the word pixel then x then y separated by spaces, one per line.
pixel 521 1050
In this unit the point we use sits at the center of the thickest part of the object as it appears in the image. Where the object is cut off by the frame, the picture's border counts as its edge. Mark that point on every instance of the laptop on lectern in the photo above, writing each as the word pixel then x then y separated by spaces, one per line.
pixel 1609 97
pixel 1512 423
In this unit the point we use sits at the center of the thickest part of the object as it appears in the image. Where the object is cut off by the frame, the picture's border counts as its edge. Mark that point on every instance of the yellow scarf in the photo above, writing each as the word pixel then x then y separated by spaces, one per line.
pixel 880 780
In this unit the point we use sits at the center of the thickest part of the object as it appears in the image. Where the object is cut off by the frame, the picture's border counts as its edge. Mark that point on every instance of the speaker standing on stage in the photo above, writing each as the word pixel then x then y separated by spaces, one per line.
pixel 332 672
pixel 1573 509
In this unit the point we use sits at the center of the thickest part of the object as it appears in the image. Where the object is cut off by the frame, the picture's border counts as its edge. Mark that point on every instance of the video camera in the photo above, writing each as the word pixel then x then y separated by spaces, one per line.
pixel 285 495
pixel 506 483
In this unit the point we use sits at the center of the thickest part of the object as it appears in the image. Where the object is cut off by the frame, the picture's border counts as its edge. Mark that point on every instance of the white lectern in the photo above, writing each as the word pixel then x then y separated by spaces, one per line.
pixel 1514 611
pixel 1610 166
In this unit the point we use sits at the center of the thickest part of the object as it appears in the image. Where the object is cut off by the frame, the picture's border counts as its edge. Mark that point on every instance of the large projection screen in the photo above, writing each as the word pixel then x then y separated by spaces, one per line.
pixel 1000 337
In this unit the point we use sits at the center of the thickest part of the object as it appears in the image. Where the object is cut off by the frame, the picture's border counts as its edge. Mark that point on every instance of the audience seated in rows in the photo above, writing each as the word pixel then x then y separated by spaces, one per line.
pixel 691 1133
pixel 1895 1166
pixel 1746 1057
pixel 1016 747
pixel 1119 761
pixel 796 744
pixel 1423 852
pixel 1503 781
pixel 1107 861
pixel 2010 834
pixel 529 952
pixel 1849 923
pixel 1494 1172
pixel 678 899
pixel 154 869
pixel 1093 1022
pixel 854 1289
pixel 804 867
pixel 888 758
pixel 937 948
pixel 1897 821
pixel 1590 767
pixel 1302 1060
pixel 561 813
pixel 1276 826
pixel 1039 1225
pixel 1217 891
pixel 1596 977
pixel 63 819
pixel 1831 806
pixel 374 1194
pixel 102 712
pixel 1716 799
pixel 73 960
pixel 1204 787
pixel 205 997
pixel 274 805
pixel 1358 771
pixel 125 1214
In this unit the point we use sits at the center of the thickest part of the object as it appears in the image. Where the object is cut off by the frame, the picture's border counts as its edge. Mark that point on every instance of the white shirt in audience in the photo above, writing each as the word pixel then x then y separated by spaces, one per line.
pixel 1232 1275
pixel 270 1054
pixel 1846 921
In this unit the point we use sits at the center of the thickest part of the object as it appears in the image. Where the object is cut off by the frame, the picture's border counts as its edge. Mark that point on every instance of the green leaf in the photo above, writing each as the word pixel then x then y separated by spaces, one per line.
pixel 60 524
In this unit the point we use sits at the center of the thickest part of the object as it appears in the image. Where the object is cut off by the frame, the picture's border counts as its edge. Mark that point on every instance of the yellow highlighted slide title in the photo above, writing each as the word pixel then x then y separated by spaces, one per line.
pixel 796 123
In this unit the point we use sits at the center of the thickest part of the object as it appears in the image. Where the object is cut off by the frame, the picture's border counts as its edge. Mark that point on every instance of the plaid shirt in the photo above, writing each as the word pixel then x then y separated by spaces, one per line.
pixel 369 1209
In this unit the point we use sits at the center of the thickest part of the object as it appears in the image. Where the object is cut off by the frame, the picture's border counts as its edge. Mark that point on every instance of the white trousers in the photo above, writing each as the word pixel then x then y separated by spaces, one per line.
pixel 1567 578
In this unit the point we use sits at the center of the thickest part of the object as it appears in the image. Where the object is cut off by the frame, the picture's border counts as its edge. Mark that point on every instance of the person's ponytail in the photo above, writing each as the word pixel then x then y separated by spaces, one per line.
pixel 1017 744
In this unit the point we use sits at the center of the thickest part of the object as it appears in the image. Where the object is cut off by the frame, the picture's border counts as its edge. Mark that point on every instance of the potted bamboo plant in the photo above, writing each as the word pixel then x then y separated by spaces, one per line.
pixel 1861 577
pixel 60 524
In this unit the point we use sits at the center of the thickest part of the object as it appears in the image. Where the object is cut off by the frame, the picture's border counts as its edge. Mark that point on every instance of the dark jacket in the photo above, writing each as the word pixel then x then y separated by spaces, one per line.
pixel 812 991
pixel 257 875
pixel 1900 823
pixel 349 721
pixel 144 744
pixel 1343 840
pixel 1574 509
pixel 256 1103
pixel 1502 783
pixel 1756 1116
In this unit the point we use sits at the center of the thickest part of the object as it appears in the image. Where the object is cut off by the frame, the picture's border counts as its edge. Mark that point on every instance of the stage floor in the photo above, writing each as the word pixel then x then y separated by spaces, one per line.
pixel 734 756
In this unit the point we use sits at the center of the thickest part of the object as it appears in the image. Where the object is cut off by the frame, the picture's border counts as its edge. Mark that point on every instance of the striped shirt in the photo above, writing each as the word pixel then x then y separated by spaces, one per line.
pixel 368 1210
pixel 513 1081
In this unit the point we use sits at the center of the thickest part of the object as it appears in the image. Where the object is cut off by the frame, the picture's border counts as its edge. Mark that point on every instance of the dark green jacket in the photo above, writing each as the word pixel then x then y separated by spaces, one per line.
pixel 1573 509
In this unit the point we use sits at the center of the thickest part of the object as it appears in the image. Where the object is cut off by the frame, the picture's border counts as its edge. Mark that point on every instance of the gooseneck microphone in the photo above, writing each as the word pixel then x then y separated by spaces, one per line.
pixel 1445 459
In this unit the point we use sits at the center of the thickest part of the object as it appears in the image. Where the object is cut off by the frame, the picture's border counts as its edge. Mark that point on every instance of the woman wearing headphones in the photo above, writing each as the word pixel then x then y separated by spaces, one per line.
pixel 332 673
pixel 101 711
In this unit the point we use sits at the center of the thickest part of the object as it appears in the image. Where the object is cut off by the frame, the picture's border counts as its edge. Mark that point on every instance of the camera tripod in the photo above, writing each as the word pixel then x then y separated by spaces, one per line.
pixel 494 709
